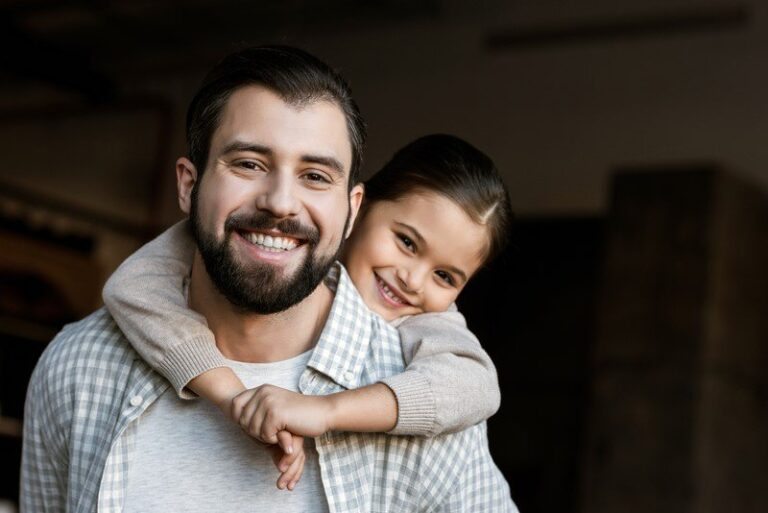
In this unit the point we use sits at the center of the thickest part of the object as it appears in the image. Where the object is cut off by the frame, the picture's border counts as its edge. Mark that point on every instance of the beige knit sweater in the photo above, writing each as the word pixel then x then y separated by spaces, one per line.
pixel 449 384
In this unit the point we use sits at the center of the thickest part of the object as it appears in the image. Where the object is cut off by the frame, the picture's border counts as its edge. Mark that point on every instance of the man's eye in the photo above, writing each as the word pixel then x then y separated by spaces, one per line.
pixel 248 164
pixel 317 178
pixel 407 242
pixel 447 278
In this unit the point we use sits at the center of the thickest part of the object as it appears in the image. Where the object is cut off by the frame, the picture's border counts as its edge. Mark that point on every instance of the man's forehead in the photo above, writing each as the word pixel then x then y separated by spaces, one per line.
pixel 257 114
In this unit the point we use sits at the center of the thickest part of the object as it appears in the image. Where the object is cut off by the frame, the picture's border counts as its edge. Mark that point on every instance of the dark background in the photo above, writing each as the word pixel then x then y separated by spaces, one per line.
pixel 627 319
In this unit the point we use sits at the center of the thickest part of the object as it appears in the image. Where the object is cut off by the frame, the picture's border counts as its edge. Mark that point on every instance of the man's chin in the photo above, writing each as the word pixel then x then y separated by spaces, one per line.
pixel 262 288
pixel 271 297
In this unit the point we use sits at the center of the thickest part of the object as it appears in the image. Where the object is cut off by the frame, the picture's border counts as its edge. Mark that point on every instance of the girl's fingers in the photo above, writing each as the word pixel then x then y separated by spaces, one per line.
pixel 246 415
pixel 285 441
pixel 287 459
pixel 254 427
pixel 238 405
pixel 267 425
pixel 298 474
pixel 277 455
pixel 290 477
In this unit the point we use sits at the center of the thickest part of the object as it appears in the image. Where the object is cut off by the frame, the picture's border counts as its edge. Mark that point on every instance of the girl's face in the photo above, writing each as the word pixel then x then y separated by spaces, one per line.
pixel 413 255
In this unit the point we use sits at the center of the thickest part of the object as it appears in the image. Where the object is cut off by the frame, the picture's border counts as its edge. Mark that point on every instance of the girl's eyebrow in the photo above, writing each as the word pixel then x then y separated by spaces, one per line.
pixel 419 238
pixel 414 231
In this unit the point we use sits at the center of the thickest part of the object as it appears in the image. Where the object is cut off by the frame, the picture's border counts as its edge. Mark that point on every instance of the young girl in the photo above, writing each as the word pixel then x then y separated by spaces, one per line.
pixel 434 214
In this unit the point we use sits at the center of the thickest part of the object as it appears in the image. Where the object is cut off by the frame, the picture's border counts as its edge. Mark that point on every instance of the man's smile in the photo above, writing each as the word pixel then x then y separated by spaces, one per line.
pixel 271 248
pixel 274 242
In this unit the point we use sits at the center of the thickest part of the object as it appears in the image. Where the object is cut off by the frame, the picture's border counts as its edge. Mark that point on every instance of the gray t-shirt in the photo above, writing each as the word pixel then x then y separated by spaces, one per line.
pixel 189 457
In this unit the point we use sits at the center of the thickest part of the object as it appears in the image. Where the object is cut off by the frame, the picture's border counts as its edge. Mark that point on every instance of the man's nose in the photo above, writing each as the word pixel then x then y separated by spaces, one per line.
pixel 280 196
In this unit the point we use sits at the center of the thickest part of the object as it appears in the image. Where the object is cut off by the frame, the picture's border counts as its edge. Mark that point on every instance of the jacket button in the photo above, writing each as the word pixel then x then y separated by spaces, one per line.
pixel 349 375
pixel 136 400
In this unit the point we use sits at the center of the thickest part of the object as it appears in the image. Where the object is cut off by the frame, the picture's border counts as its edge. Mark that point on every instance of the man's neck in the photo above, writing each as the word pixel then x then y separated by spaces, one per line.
pixel 257 338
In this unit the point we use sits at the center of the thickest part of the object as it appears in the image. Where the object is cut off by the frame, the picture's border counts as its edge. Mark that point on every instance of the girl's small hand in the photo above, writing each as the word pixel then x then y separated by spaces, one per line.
pixel 265 411
pixel 291 462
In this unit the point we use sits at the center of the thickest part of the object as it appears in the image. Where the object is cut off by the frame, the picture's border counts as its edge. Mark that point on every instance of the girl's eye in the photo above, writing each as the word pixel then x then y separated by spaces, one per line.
pixel 407 242
pixel 447 278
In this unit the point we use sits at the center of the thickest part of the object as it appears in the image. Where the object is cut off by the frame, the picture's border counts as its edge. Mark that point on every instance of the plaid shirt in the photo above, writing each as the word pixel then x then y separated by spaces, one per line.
pixel 90 387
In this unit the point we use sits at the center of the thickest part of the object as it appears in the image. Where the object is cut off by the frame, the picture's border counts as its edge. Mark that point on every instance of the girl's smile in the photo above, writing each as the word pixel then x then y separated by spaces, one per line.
pixel 414 255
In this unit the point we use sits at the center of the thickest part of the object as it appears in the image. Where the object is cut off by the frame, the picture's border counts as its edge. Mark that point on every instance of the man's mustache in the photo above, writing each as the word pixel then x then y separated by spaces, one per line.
pixel 264 221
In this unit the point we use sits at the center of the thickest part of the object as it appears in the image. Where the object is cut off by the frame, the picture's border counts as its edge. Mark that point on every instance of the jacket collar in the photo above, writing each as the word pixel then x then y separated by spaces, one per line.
pixel 344 343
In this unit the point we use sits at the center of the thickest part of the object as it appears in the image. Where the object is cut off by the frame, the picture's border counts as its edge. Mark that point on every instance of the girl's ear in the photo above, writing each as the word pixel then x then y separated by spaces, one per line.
pixel 186 180
pixel 355 200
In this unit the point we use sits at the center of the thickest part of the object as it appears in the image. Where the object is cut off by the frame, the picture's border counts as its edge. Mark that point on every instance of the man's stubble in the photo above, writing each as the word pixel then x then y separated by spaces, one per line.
pixel 259 287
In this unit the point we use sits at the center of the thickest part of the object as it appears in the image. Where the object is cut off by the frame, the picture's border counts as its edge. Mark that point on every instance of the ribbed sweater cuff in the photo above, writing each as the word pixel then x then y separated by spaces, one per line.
pixel 415 404
pixel 187 361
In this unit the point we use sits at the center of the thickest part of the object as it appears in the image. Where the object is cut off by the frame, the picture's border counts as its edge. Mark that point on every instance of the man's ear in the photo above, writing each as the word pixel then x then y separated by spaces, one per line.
pixel 355 200
pixel 186 180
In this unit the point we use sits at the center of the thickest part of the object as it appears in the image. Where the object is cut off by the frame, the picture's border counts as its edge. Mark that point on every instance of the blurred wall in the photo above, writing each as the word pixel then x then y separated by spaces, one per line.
pixel 556 116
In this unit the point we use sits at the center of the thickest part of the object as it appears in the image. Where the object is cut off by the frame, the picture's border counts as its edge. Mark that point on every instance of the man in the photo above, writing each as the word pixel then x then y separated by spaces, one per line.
pixel 275 147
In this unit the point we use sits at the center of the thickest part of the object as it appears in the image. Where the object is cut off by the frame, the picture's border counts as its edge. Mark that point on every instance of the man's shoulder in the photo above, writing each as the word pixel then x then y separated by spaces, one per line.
pixel 84 349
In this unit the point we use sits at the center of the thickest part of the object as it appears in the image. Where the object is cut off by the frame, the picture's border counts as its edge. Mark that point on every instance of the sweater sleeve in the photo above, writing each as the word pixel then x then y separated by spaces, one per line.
pixel 146 297
pixel 450 382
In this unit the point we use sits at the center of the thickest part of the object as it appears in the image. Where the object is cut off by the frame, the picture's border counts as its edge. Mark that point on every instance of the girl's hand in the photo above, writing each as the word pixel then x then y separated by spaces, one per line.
pixel 290 463
pixel 265 411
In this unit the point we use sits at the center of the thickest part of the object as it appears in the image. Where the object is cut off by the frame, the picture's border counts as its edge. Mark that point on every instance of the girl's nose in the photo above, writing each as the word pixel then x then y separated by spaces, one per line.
pixel 411 278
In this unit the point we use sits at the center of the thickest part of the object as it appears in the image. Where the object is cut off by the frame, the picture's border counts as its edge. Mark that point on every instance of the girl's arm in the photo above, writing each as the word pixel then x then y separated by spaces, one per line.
pixel 146 298
pixel 450 382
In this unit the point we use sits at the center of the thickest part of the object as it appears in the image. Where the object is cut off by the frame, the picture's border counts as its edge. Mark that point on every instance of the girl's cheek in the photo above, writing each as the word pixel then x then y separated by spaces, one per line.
pixel 379 247
pixel 443 299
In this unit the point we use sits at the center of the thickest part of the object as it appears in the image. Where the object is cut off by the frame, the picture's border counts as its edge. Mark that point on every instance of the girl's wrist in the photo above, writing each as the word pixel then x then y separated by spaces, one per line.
pixel 334 415
pixel 219 386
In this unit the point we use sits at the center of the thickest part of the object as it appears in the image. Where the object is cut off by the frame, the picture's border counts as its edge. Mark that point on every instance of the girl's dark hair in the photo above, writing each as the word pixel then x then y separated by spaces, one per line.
pixel 453 168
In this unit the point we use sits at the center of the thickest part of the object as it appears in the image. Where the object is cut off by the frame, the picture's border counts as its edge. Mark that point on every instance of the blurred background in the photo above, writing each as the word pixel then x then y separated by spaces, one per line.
pixel 629 319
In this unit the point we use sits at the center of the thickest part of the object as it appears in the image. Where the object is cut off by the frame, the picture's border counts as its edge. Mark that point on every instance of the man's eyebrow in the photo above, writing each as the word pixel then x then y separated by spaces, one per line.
pixel 420 238
pixel 246 146
pixel 330 162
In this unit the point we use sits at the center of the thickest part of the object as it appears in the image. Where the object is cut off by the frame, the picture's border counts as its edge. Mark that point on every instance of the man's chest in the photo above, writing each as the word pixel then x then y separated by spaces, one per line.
pixel 187 457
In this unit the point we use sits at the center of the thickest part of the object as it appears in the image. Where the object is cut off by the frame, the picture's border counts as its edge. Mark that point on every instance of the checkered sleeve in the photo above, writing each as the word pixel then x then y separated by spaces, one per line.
pixel 43 481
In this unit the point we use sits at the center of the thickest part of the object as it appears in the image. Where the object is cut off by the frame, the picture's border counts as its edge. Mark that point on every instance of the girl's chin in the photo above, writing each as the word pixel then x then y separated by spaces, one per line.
pixel 385 313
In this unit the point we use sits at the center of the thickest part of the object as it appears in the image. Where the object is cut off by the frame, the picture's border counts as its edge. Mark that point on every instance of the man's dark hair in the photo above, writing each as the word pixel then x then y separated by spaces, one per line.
pixel 296 76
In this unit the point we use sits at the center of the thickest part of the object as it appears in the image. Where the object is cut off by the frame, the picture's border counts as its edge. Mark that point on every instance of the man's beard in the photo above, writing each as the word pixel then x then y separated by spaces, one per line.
pixel 259 287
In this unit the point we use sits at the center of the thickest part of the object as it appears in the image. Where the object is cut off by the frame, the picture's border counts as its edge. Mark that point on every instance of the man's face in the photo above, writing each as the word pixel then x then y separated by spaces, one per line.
pixel 270 212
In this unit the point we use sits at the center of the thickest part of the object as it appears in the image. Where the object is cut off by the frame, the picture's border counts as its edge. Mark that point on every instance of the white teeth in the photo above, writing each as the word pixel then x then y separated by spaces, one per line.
pixel 389 292
pixel 271 243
